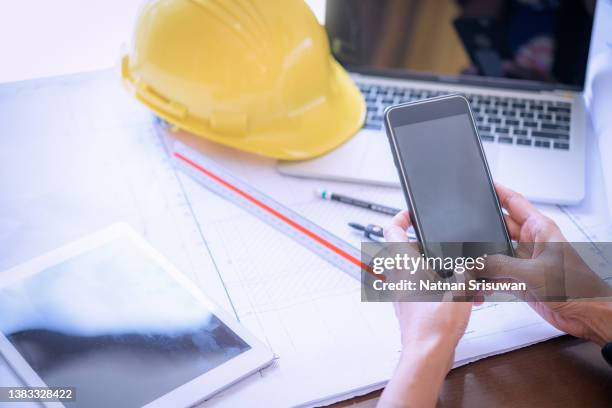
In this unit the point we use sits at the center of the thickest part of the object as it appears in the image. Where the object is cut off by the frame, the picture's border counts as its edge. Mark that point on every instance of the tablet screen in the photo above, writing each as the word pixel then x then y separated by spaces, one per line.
pixel 112 323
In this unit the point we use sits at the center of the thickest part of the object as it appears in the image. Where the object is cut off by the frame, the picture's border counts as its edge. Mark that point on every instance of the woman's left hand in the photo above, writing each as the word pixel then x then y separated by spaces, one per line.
pixel 430 332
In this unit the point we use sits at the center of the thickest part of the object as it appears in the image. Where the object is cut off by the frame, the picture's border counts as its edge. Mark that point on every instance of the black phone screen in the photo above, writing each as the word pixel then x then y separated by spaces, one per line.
pixel 452 194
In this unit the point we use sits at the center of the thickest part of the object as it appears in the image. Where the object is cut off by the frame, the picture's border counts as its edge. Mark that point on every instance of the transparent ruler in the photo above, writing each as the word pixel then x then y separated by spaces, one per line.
pixel 218 180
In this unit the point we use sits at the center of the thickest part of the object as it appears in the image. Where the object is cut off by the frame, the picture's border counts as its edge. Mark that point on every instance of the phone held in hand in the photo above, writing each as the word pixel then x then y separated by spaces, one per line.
pixel 445 178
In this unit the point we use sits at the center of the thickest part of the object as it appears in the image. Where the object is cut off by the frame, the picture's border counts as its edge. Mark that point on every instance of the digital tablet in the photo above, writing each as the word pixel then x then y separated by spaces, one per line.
pixel 112 319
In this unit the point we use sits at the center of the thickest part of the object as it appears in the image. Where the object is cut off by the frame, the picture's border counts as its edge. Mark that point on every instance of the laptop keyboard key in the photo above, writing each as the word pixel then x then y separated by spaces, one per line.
pixel 561 145
pixel 487 138
pixel 542 143
pixel 544 116
pixel 559 109
pixel 372 125
pixel 512 122
pixel 555 126
pixel 502 130
pixel 523 142
pixel 505 139
pixel 550 135
pixel 520 132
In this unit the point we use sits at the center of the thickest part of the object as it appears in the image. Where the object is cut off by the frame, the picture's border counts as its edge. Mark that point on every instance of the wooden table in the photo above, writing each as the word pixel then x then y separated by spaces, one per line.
pixel 563 372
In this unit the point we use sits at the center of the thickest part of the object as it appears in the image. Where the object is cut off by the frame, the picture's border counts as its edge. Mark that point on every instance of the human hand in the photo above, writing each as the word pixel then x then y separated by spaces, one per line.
pixel 430 332
pixel 423 321
pixel 556 277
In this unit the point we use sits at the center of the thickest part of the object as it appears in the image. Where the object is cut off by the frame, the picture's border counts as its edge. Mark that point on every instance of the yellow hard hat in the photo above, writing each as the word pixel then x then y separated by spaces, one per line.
pixel 256 75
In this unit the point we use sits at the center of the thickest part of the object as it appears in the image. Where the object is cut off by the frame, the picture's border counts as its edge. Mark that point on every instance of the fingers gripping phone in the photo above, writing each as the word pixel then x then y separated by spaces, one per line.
pixel 445 177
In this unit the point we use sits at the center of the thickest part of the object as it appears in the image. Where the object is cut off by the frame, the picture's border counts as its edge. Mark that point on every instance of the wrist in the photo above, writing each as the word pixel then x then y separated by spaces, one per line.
pixel 432 356
pixel 596 317
pixel 436 348
pixel 419 375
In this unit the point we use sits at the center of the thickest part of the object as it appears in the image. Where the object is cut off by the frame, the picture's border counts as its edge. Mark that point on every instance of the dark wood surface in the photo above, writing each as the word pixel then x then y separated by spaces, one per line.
pixel 563 372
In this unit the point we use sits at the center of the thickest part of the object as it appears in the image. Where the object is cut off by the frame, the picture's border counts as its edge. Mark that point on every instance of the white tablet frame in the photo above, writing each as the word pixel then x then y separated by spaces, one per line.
pixel 190 393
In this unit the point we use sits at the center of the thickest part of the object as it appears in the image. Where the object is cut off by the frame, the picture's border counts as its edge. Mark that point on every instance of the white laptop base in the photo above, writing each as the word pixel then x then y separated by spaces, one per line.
pixel 542 175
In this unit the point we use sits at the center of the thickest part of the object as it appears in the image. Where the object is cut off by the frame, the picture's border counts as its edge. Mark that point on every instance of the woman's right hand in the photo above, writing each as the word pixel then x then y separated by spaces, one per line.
pixel 560 286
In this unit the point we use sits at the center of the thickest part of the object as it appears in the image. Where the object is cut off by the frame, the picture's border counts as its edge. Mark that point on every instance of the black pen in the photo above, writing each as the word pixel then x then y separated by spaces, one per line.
pixel 328 195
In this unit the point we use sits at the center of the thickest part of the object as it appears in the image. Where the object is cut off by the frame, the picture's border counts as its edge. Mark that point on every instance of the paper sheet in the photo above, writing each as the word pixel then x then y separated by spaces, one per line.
pixel 79 154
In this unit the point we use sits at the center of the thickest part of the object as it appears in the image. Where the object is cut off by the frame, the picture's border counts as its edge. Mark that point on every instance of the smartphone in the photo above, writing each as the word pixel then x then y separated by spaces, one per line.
pixel 445 178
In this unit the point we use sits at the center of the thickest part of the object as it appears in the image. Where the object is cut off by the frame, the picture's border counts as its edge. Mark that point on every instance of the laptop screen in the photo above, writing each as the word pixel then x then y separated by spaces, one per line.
pixel 536 40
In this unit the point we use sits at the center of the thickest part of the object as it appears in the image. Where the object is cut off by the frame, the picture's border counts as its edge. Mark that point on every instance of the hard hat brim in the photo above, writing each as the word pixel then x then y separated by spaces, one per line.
pixel 314 132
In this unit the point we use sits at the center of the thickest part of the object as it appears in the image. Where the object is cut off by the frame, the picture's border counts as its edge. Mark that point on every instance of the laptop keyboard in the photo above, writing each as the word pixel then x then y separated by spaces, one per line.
pixel 521 122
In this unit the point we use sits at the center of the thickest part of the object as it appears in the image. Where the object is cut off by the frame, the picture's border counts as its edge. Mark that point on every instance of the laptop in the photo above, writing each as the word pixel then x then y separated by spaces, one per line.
pixel 521 64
